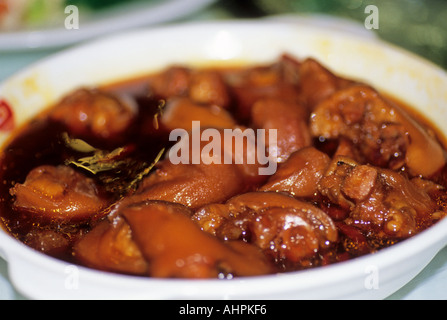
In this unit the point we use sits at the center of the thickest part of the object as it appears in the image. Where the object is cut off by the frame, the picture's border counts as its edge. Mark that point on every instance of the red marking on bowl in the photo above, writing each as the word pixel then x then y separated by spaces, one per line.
pixel 6 116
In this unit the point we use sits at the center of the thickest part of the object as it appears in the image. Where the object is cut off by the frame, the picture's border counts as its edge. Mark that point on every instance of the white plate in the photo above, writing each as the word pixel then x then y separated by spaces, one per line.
pixel 131 16
pixel 412 79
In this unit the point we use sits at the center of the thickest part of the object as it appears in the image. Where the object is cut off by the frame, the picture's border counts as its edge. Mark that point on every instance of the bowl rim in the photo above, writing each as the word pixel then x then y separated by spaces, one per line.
pixel 435 237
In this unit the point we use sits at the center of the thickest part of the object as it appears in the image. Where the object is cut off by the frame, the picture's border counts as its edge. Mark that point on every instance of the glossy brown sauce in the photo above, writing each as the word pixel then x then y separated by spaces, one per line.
pixel 41 142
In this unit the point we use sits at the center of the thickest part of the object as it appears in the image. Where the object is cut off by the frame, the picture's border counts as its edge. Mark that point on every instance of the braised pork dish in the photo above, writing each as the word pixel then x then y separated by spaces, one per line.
pixel 92 180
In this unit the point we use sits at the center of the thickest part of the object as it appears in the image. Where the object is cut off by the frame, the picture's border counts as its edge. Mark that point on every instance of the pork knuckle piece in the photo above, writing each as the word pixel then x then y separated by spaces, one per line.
pixel 283 226
pixel 290 121
pixel 90 112
pixel 192 185
pixel 59 194
pixel 158 238
pixel 181 112
pixel 109 246
pixel 204 87
pixel 381 201
pixel 300 174
pixel 383 133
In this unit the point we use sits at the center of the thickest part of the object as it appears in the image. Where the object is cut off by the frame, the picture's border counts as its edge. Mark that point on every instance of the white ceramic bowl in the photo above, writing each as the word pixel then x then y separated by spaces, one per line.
pixel 409 78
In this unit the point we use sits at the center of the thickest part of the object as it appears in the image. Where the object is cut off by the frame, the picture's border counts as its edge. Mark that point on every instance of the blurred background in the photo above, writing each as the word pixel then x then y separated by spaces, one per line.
pixel 417 25
pixel 33 29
